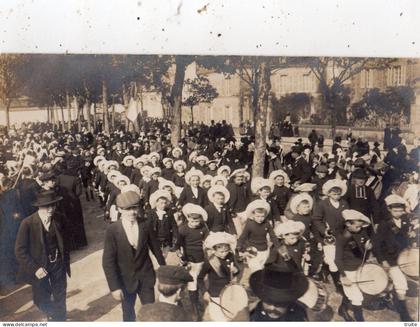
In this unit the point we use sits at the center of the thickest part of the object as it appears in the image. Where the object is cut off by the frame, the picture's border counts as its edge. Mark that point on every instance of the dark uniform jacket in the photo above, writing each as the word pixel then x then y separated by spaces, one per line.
pixel 350 250
pixel 239 196
pixel 162 311
pixel 219 221
pixel 295 252
pixel 281 195
pixel 325 212
pixel 362 199
pixel 30 247
pixel 166 230
pixel 390 240
pixel 187 196
pixel 125 267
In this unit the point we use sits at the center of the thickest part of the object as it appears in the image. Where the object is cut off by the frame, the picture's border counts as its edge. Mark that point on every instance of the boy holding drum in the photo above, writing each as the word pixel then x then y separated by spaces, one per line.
pixel 392 237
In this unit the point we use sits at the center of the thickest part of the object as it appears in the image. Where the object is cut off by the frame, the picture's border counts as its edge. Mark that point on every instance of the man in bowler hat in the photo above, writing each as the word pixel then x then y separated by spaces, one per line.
pixel 43 256
pixel 126 261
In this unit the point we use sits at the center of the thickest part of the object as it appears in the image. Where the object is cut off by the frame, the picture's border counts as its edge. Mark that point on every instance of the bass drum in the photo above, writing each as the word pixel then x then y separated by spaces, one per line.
pixel 408 261
pixel 372 279
pixel 233 299
pixel 316 297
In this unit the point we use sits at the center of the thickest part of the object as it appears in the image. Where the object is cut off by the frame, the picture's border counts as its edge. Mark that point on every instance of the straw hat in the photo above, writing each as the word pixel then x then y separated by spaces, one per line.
pixel 349 214
pixel 155 196
pixel 219 178
pixel 328 185
pixel 206 178
pixel 126 158
pixel 191 208
pixel 222 168
pixel 296 200
pixel 220 238
pixel 257 204
pixel 218 189
pixel 191 173
pixel 258 183
pixel 180 162
pixel 275 173
pixel 97 159
pixel 289 227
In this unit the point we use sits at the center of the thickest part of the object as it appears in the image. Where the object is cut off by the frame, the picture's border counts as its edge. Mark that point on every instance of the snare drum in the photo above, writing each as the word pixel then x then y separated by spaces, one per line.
pixel 316 297
pixel 233 299
pixel 371 279
pixel 408 261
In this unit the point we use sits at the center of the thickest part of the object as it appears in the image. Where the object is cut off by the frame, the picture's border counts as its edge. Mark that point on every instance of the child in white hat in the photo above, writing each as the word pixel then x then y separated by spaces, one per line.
pixel 220 267
pixel 281 191
pixel 190 242
pixel 219 217
pixel 293 251
pixel 254 235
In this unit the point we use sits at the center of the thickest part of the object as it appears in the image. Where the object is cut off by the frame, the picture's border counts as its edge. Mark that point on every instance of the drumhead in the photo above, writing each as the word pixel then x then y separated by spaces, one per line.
pixel 372 279
pixel 233 298
pixel 408 261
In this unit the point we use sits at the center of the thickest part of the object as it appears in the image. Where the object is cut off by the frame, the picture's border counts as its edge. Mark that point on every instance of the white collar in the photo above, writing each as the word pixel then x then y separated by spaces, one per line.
pixel 164 299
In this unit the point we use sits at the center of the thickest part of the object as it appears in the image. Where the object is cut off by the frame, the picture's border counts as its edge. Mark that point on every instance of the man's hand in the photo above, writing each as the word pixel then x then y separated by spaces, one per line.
pixel 345 281
pixel 41 273
pixel 118 295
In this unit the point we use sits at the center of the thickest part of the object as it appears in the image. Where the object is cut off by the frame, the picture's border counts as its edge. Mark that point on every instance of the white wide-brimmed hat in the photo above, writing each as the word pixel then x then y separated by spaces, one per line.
pixel 121 178
pixel 394 199
pixel 112 173
pixel 97 159
pixel 155 196
pixel 219 178
pixel 218 189
pixel 191 173
pixel 350 214
pixel 110 163
pixel 165 160
pixel 180 163
pixel 297 199
pixel 206 178
pixel 131 187
pixel 288 227
pixel 328 185
pixel 191 208
pixel 137 161
pixel 145 170
pixel 155 170
pixel 257 204
pixel 177 149
pixel 126 158
pixel 154 154
pixel 306 187
pixel 258 183
pixel 223 168
pixel 202 158
pixel 275 173
pixel 220 238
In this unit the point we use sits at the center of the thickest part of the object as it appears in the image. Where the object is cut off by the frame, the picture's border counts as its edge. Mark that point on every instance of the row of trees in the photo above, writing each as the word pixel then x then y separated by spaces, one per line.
pixel 56 80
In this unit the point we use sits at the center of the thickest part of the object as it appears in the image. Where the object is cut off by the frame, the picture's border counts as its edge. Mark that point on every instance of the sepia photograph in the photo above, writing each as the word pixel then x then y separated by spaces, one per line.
pixel 224 161
pixel 211 188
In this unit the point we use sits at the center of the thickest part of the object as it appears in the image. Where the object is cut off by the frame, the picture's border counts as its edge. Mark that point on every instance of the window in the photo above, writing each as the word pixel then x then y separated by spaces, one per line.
pixel 396 76
pixel 366 79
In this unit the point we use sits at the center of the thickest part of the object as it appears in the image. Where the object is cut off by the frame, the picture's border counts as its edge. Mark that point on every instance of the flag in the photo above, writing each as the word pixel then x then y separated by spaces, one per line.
pixel 132 112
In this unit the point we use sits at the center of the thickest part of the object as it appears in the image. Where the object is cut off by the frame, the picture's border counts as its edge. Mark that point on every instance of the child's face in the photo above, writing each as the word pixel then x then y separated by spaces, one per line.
pixel 180 168
pixel 221 250
pixel 129 162
pixel 168 164
pixel 354 226
pixel 194 222
pixel 396 212
pixel 155 176
pixel 335 195
pixel 303 208
pixel 259 217
pixel 220 183
pixel 225 173
pixel 212 166
pixel 168 188
pixel 331 164
pixel 219 199
pixel 291 238
pixel 161 203
pixel 121 184
pixel 279 180
pixel 202 163
pixel 321 175
pixel 264 192
pixel 195 181
pixel 206 184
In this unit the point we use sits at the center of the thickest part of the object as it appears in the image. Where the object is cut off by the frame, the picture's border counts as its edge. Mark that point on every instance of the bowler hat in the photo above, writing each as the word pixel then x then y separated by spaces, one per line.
pixel 278 287
pixel 46 198
pixel 173 275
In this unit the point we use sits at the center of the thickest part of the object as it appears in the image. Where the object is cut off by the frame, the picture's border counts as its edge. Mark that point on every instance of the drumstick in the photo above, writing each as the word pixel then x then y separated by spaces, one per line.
pixel 365 281
pixel 220 306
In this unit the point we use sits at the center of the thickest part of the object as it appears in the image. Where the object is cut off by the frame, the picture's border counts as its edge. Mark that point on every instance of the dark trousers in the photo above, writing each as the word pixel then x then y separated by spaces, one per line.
pixel 49 293
pixel 146 293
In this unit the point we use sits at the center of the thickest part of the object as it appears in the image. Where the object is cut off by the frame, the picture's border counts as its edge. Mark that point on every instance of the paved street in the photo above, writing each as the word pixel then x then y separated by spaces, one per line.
pixel 88 297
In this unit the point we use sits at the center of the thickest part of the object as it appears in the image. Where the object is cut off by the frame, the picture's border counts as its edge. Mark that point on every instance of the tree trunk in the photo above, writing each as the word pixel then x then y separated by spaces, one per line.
pixel 241 97
pixel 88 119
pixel 68 104
pixel 49 115
pixel 192 114
pixel 105 107
pixel 95 125
pixel 165 104
pixel 7 111
pixel 113 114
pixel 63 122
pixel 260 119
pixel 79 118
pixel 181 65
pixel 126 100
